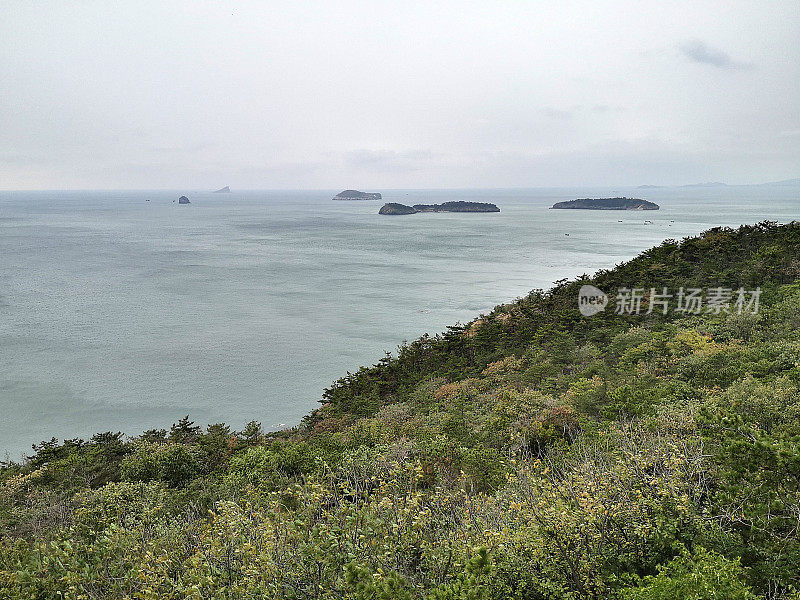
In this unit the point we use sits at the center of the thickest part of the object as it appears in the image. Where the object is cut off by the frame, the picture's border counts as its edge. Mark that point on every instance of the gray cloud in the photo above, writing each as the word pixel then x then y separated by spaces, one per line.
pixel 388 160
pixel 557 113
pixel 700 52
pixel 273 95
pixel 607 108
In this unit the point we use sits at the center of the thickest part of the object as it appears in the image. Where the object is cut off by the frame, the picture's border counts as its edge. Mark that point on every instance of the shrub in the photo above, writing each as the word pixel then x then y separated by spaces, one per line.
pixel 702 575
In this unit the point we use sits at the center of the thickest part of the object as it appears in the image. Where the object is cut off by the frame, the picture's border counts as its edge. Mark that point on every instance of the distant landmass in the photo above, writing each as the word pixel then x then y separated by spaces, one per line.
pixel 459 206
pixel 786 182
pixel 720 184
pixel 607 204
pixel 356 195
pixel 708 184
pixel 225 190
pixel 393 208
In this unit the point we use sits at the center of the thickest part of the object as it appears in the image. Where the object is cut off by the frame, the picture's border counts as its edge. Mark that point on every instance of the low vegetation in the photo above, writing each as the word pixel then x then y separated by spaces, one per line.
pixel 531 454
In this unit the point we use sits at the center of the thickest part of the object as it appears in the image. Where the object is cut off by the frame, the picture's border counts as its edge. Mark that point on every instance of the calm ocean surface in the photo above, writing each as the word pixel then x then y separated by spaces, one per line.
pixel 121 314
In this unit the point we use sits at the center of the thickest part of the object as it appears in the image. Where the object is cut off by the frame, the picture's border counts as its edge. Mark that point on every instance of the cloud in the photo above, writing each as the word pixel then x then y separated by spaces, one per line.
pixel 700 52
pixel 557 113
pixel 607 108
pixel 388 160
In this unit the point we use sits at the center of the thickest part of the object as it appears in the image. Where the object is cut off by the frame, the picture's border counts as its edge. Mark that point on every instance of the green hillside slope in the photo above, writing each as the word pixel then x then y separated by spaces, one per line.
pixel 534 453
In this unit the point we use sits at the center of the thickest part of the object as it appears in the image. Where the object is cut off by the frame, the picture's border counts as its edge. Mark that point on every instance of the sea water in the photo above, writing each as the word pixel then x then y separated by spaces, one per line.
pixel 125 311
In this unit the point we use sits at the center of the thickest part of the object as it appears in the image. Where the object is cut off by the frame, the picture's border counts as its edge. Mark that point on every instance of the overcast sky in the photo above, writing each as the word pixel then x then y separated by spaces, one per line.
pixel 377 95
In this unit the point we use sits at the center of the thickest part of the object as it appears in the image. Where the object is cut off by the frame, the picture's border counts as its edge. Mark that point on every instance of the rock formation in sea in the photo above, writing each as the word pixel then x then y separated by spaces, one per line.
pixel 607 204
pixel 183 200
pixel 356 195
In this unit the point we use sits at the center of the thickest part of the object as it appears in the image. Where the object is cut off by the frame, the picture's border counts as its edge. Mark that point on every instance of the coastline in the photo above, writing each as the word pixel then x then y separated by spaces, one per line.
pixel 408 278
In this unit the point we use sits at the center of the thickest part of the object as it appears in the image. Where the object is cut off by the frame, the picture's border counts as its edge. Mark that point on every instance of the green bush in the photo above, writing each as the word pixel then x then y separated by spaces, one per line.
pixel 702 575
pixel 176 464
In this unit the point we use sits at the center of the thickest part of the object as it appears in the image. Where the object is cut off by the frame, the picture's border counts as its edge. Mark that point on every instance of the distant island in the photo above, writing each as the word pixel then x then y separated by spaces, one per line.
pixel 393 208
pixel 183 200
pixel 720 184
pixel 707 184
pixel 225 190
pixel 356 195
pixel 786 182
pixel 460 206
pixel 607 204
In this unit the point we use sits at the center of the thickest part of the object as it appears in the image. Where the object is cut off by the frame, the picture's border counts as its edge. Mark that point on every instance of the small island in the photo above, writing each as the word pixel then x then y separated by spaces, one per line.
pixel 393 208
pixel 183 200
pixel 607 204
pixel 225 190
pixel 356 195
pixel 460 206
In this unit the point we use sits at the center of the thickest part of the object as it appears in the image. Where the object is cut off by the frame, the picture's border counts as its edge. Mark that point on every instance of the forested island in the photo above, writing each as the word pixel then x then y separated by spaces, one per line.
pixel 356 195
pixel 458 206
pixel 393 208
pixel 531 454
pixel 607 204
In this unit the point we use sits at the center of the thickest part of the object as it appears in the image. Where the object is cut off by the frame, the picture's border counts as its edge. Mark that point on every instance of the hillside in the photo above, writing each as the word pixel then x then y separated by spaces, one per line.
pixel 533 453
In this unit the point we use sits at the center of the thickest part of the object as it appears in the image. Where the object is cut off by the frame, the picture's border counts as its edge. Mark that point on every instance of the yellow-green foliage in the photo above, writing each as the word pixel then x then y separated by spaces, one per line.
pixel 531 455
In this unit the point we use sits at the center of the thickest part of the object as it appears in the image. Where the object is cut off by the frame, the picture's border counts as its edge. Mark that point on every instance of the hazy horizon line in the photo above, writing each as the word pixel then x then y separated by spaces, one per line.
pixel 709 184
